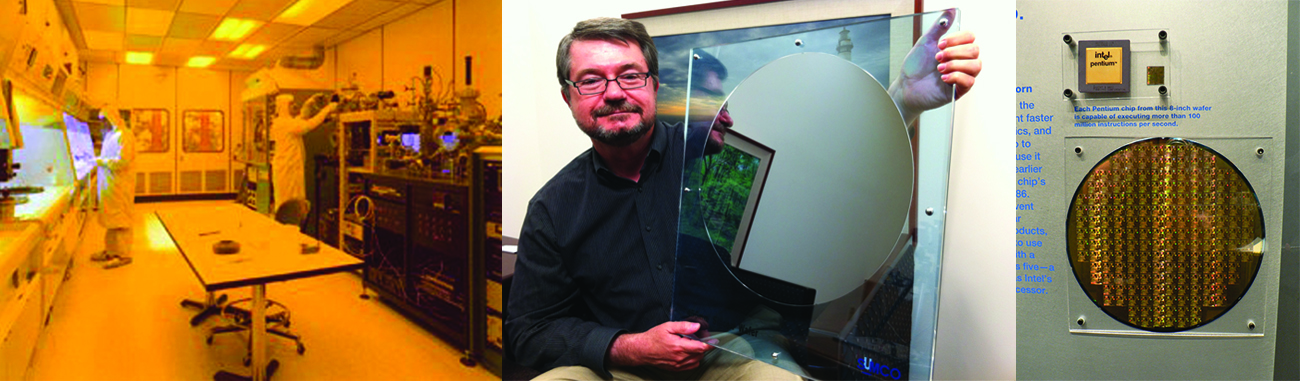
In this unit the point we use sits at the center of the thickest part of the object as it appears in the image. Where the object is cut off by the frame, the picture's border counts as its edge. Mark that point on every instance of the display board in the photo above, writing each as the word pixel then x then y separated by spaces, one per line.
pixel 830 282
pixel 1149 185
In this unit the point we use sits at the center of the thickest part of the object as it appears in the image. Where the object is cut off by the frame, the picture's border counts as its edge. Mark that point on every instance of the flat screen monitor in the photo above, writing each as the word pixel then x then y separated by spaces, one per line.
pixel 79 141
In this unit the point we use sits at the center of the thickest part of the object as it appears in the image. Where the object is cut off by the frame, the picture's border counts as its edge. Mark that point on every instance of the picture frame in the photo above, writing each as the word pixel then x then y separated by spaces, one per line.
pixel 152 128
pixel 203 131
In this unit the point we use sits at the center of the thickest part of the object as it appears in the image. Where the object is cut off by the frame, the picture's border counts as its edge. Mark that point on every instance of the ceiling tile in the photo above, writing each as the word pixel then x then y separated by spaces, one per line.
pixel 165 59
pixel 193 25
pixel 148 22
pixel 207 7
pixel 105 2
pixel 273 33
pixel 352 15
pixel 215 48
pixel 100 17
pixel 141 43
pixel 99 55
pixel 390 16
pixel 166 5
pixel 97 40
pixel 342 37
pixel 310 37
pixel 263 10
pixel 180 46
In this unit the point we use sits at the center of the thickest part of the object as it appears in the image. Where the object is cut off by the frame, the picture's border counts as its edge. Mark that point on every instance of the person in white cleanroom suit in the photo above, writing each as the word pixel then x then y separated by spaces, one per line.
pixel 290 155
pixel 116 186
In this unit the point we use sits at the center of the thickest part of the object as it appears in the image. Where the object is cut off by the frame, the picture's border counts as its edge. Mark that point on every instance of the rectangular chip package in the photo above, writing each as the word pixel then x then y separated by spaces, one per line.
pixel 1104 66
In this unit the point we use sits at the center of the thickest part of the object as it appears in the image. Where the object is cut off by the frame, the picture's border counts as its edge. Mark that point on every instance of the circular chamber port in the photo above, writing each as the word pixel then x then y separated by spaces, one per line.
pixel 1165 235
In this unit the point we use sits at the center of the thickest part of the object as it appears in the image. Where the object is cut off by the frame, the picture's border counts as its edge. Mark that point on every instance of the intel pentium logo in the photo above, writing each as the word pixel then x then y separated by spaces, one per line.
pixel 871 367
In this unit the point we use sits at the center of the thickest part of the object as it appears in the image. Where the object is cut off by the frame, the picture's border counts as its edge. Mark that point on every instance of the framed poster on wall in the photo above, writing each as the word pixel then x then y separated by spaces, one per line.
pixel 203 131
pixel 152 127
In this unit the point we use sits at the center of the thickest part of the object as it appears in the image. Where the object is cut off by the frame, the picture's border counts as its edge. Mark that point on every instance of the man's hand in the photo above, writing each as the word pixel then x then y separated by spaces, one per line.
pixel 933 66
pixel 660 347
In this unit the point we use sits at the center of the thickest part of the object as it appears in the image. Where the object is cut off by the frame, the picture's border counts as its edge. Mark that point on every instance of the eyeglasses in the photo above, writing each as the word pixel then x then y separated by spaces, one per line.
pixel 595 86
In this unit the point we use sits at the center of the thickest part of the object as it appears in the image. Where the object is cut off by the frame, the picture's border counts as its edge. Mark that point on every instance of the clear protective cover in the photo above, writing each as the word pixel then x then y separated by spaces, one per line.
pixel 812 213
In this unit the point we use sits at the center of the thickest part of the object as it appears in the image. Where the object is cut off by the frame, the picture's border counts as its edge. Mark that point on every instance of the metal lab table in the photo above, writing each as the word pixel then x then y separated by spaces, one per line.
pixel 269 252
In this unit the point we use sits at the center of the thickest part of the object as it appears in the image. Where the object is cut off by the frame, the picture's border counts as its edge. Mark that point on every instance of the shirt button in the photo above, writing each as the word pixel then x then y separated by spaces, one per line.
pixel 661 267
pixel 638 189
pixel 647 228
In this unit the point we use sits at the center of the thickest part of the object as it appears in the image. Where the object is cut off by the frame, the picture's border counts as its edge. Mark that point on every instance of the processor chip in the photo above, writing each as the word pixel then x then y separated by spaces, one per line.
pixel 1104 66
pixel 1165 235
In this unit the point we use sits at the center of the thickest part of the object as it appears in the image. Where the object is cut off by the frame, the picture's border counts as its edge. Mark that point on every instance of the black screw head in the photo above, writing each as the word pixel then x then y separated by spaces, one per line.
pixel 1068 39
pixel 1069 93
pixel 1163 35
pixel 1250 325
pixel 1259 151
pixel 1078 150
pixel 1079 322
pixel 1163 90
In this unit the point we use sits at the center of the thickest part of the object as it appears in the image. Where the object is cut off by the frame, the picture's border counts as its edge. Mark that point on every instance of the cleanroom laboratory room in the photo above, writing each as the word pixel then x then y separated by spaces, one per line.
pixel 248 189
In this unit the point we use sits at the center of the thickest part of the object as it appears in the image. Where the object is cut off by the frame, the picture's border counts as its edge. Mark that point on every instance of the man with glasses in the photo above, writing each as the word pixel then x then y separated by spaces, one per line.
pixel 593 283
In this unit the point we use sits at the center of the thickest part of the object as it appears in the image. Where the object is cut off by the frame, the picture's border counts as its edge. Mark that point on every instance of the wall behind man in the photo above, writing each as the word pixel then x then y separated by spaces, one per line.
pixel 387 57
pixel 976 336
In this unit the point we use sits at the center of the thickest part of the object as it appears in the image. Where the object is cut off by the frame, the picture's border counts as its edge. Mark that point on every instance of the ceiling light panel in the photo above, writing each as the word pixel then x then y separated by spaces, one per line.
pixel 308 12
pixel 233 29
pixel 148 22
pixel 248 51
pixel 139 58
pixel 200 61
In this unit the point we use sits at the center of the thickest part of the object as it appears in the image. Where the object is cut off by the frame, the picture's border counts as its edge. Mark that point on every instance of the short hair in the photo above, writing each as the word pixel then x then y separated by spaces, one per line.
pixel 606 28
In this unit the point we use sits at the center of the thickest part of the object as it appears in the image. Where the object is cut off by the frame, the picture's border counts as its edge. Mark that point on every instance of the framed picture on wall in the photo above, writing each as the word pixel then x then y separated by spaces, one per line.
pixel 203 131
pixel 152 127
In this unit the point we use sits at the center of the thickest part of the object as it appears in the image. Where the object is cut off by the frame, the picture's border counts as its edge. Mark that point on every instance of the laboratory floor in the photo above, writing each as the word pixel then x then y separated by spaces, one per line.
pixel 127 323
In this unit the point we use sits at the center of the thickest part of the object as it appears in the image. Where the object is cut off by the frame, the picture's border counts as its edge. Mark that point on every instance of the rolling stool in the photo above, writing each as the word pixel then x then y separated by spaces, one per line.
pixel 240 319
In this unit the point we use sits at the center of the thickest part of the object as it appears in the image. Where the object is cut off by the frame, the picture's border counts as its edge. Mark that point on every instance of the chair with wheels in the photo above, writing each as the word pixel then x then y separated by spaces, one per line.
pixel 239 318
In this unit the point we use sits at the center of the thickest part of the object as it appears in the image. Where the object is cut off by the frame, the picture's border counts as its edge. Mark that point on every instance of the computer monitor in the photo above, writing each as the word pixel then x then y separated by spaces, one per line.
pixel 412 141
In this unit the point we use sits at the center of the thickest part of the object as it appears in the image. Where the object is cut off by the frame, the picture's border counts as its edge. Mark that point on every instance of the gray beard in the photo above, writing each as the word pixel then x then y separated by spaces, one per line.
pixel 618 138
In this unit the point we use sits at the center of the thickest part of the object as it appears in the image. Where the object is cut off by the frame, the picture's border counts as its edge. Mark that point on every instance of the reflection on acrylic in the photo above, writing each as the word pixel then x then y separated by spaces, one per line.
pixel 806 259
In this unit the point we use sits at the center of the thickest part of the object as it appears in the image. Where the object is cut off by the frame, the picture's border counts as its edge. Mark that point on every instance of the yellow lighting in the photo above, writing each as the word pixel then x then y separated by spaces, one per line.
pixel 33 112
pixel 139 58
pixel 308 12
pixel 200 61
pixel 248 51
pixel 235 29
